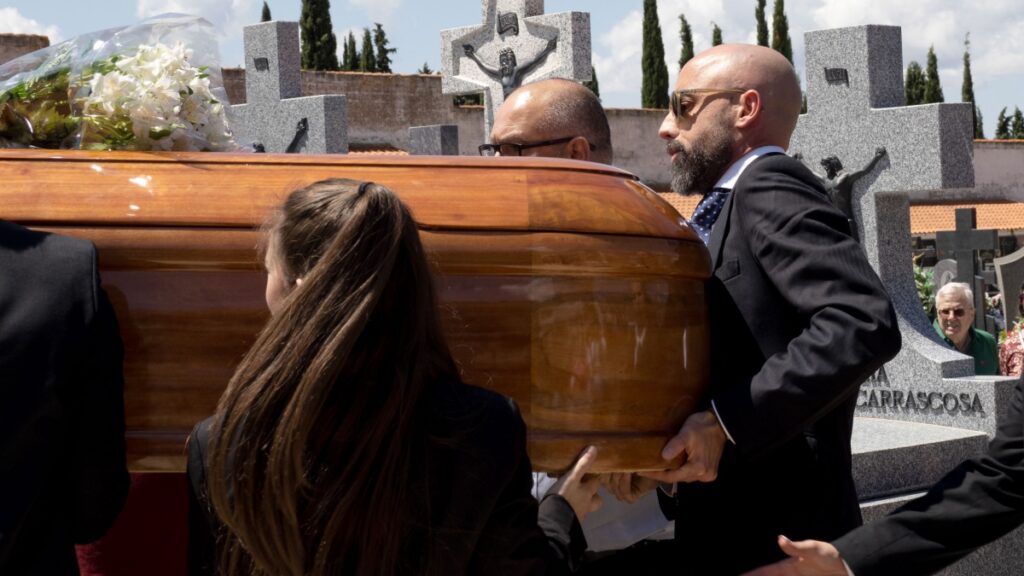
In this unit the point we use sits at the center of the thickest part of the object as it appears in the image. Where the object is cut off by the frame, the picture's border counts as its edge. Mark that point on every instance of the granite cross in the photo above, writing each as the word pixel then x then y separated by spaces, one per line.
pixel 964 243
pixel 275 117
pixel 516 44
pixel 855 105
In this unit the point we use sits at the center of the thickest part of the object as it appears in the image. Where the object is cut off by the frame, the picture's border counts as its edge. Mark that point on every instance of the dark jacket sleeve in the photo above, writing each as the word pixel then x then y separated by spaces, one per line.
pixel 202 524
pixel 979 501
pixel 521 538
pixel 848 324
pixel 99 456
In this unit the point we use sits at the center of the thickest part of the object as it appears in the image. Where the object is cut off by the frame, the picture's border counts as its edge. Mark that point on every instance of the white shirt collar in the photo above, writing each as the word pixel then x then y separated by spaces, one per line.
pixel 728 180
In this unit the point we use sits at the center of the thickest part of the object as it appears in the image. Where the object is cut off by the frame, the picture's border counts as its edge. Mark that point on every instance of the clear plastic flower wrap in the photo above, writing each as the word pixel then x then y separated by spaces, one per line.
pixel 152 86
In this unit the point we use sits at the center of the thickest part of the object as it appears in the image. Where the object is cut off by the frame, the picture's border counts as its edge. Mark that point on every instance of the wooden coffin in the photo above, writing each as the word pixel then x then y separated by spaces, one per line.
pixel 569 286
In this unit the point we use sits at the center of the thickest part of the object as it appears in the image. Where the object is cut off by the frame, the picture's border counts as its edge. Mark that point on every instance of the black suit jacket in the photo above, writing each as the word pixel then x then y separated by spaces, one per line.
pixel 484 518
pixel 979 501
pixel 63 478
pixel 798 320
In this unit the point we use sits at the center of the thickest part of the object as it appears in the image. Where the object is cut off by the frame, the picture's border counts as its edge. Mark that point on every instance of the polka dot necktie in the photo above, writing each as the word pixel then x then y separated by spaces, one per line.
pixel 707 211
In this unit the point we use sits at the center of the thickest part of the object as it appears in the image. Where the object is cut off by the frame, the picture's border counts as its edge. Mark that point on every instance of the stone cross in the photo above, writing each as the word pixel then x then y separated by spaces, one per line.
pixel 1010 274
pixel 516 44
pixel 275 117
pixel 855 104
pixel 964 243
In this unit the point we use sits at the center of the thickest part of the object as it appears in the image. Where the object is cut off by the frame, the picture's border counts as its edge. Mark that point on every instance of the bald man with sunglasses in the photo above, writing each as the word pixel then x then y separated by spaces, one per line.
pixel 798 319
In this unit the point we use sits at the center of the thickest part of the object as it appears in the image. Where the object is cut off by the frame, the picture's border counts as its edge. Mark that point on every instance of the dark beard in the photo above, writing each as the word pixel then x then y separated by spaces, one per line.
pixel 696 171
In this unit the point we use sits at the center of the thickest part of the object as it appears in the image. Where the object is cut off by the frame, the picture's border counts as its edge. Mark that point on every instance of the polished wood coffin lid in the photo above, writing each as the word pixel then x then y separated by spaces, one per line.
pixel 569 286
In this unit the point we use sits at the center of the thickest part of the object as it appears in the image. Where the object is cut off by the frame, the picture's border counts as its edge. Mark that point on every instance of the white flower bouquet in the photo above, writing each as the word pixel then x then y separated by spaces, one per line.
pixel 154 86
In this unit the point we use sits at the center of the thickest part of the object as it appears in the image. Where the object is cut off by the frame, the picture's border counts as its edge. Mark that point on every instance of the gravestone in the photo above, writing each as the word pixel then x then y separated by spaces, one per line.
pixel 1010 275
pixel 275 117
pixel 436 140
pixel 944 272
pixel 855 102
pixel 516 44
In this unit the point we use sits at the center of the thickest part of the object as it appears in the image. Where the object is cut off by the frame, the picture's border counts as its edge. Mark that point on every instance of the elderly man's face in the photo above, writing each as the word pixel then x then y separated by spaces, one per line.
pixel 956 315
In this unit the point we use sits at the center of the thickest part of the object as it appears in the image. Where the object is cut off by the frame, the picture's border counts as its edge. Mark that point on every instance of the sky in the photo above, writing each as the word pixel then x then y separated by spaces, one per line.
pixel 413 27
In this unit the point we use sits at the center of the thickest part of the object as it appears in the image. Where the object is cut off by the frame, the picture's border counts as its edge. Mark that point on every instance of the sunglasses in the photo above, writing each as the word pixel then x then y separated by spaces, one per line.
pixel 681 100
pixel 517 149
pixel 958 312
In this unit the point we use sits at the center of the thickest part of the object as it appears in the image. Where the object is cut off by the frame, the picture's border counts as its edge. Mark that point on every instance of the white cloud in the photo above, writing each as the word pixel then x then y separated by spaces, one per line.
pixel 227 16
pixel 377 10
pixel 12 22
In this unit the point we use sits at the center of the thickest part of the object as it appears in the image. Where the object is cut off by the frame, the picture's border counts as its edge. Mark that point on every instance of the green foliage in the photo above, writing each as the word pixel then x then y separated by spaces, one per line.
pixel 469 100
pixel 425 69
pixel 1002 126
pixel 686 41
pixel 654 87
pixel 967 90
pixel 762 23
pixel 319 46
pixel 932 84
pixel 380 44
pixel 350 58
pixel 803 104
pixel 979 124
pixel 593 84
pixel 1017 126
pixel 367 60
pixel 780 31
pixel 716 35
pixel 914 85
pixel 925 284
pixel 265 17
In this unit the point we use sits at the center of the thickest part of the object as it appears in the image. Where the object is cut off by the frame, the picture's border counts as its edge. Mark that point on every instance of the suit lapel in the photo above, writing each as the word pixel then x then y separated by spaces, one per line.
pixel 718 232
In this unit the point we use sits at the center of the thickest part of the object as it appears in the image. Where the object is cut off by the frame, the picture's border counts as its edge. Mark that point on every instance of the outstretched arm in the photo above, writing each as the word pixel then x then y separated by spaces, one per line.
pixel 471 54
pixel 880 153
pixel 529 66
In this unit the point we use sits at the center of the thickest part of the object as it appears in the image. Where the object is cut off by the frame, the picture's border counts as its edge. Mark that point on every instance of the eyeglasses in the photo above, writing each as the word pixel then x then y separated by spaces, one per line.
pixel 509 149
pixel 958 312
pixel 679 101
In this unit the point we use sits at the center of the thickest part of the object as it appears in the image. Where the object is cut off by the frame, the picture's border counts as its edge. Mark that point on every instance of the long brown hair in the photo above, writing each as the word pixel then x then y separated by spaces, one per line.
pixel 322 430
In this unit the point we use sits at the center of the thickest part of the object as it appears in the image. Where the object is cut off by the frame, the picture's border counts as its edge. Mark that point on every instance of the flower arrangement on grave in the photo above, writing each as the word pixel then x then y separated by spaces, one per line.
pixel 138 88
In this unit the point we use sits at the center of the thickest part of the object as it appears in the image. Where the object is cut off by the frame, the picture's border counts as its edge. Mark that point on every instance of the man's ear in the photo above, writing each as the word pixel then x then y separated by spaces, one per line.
pixel 579 148
pixel 751 108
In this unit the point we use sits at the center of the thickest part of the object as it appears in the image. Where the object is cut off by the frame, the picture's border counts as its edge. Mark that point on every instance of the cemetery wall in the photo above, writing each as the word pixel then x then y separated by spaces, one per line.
pixel 14 45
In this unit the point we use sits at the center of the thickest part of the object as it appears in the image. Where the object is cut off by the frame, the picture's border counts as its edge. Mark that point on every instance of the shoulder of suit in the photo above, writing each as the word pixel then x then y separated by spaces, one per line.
pixel 781 166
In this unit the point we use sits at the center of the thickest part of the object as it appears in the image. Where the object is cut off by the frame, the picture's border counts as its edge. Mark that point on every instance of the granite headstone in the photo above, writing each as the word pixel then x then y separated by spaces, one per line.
pixel 1010 276
pixel 436 140
pixel 516 44
pixel 275 117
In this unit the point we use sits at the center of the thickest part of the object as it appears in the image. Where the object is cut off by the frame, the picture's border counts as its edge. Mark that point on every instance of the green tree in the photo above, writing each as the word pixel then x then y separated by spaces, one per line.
pixel 469 100
pixel 967 90
pixel 380 46
pixel 1017 126
pixel 932 84
pixel 367 61
pixel 593 84
pixel 425 69
pixel 762 23
pixel 980 134
pixel 266 13
pixel 686 41
pixel 319 47
pixel 716 34
pixel 351 53
pixel 913 88
pixel 1002 126
pixel 654 86
pixel 780 31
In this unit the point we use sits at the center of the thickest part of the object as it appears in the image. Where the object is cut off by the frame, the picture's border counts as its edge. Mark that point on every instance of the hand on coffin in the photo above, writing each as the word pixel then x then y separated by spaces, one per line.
pixel 700 441
pixel 628 486
pixel 579 488
pixel 806 558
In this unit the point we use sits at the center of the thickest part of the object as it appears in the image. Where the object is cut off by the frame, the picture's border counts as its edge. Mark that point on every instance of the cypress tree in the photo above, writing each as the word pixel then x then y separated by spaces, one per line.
pixel 967 90
pixel 932 84
pixel 266 13
pixel 1017 126
pixel 914 86
pixel 351 53
pixel 1002 126
pixel 367 61
pixel 762 23
pixel 686 40
pixel 319 47
pixel 345 56
pixel 716 34
pixel 980 133
pixel 425 69
pixel 593 84
pixel 780 31
pixel 380 44
pixel 654 87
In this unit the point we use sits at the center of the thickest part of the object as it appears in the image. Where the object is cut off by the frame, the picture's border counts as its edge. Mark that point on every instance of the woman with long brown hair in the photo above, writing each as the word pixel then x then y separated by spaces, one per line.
pixel 345 442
